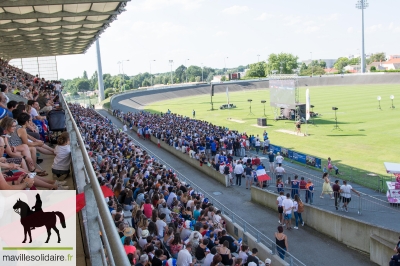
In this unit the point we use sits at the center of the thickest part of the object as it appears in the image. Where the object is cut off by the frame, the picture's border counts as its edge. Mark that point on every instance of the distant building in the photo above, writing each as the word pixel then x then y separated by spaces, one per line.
pixel 392 64
pixel 395 56
pixel 329 62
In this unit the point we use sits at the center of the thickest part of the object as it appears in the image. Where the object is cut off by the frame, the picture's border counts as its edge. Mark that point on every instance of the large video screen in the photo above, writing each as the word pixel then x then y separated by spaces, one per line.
pixel 282 93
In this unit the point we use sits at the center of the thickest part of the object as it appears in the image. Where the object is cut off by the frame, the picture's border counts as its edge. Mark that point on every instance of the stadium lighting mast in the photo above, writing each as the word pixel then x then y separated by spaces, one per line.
pixel 171 62
pixel 258 58
pixel 186 69
pixel 151 76
pixel 362 4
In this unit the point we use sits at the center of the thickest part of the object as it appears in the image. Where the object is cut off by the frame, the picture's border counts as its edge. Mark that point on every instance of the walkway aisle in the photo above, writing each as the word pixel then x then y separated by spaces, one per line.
pixel 309 246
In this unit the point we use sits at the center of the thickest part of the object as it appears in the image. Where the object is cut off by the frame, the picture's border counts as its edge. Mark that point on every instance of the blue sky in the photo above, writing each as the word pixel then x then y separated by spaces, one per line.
pixel 207 31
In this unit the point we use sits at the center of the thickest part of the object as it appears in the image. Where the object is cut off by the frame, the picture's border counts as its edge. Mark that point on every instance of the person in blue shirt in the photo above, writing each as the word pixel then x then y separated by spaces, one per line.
pixel 295 186
pixel 213 148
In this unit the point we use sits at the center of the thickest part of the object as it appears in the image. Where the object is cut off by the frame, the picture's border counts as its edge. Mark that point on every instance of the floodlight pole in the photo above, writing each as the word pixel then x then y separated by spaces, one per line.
pixel 362 4
pixel 312 66
pixel 99 73
pixel 171 62
pixel 258 58
pixel 202 68
pixel 186 69
pixel 151 76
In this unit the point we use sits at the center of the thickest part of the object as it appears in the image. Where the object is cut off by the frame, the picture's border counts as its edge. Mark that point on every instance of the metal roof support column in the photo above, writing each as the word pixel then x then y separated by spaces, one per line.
pixel 99 72
pixel 38 67
pixel 55 59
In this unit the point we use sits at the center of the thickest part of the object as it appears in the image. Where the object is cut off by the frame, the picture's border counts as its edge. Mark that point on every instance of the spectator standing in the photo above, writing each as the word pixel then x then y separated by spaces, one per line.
pixel 249 179
pixel 279 200
pixel 281 242
pixel 309 191
pixel 185 256
pixel 271 159
pixel 209 257
pixel 395 260
pixel 279 158
pixel 345 191
pixel 239 172
pixel 326 187
pixel 258 145
pixel 298 209
pixel 279 170
pixel 287 205
pixel 253 257
pixel 397 246
pixel 336 193
pixel 303 184
pixel 295 186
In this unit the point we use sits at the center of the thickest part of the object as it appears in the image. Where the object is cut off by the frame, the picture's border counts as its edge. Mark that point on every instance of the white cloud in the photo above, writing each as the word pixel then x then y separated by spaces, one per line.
pixel 158 30
pixel 293 20
pixel 391 25
pixel 350 30
pixel 309 29
pixel 308 23
pixel 221 33
pixel 332 17
pixel 264 16
pixel 374 28
pixel 234 10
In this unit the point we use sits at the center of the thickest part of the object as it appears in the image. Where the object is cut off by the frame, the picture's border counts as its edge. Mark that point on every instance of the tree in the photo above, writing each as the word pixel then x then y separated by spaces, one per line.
pixel 373 68
pixel 257 70
pixel 376 58
pixel 288 62
pixel 85 76
pixel 180 73
pixel 145 83
pixel 108 92
pixel 94 80
pixel 210 77
pixel 223 78
pixel 83 85
pixel 197 79
pixel 354 61
pixel 312 70
pixel 193 72
pixel 341 63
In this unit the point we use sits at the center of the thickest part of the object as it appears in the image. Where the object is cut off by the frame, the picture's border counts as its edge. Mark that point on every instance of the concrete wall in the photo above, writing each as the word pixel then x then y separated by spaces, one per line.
pixel 365 237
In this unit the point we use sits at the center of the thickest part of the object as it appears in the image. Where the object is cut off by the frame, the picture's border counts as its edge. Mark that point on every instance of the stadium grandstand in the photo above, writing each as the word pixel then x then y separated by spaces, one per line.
pixel 135 203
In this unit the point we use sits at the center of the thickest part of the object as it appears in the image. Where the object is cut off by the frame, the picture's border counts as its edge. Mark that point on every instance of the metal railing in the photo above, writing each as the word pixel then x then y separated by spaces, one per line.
pixel 98 217
pixel 261 238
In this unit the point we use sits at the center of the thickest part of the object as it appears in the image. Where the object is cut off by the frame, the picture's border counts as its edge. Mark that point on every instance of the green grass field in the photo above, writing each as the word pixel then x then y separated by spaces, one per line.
pixel 368 138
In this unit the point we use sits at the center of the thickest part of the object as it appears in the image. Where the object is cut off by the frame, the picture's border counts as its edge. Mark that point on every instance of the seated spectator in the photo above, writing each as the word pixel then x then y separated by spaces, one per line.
pixel 62 161
pixel 15 148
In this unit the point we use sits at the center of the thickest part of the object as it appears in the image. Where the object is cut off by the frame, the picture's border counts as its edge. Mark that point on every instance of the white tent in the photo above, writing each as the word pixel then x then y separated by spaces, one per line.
pixel 392 168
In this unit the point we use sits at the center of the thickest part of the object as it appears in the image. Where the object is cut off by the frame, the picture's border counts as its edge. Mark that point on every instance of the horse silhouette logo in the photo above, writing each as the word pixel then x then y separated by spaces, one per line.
pixel 32 219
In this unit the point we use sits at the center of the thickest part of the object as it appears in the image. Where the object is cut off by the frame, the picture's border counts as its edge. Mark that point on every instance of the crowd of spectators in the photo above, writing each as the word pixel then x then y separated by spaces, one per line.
pixel 23 130
pixel 170 221
pixel 211 145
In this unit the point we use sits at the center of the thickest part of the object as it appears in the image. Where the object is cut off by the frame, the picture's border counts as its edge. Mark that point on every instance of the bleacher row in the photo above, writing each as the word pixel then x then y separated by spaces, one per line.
pixel 155 213
pixel 26 105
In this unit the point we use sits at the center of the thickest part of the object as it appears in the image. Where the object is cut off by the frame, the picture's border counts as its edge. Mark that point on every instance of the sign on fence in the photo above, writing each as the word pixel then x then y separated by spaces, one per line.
pixel 298 157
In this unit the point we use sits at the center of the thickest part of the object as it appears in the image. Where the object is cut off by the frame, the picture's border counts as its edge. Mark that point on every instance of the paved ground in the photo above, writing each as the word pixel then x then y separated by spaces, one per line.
pixel 306 244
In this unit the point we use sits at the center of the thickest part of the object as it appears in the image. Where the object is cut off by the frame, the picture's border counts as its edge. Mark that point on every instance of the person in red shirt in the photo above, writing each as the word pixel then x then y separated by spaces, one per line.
pixel 303 184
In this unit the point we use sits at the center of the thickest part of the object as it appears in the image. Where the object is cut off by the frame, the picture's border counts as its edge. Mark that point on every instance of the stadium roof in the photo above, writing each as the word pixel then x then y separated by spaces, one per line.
pixel 34 28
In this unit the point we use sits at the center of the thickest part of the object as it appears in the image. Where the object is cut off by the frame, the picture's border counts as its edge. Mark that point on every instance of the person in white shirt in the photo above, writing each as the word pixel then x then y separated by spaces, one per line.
pixel 238 172
pixel 345 191
pixel 287 205
pixel 210 256
pixel 279 170
pixel 279 158
pixel 161 225
pixel 184 256
pixel 279 200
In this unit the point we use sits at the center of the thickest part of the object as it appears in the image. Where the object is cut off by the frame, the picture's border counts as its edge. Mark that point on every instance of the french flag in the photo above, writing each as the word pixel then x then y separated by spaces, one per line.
pixel 261 174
